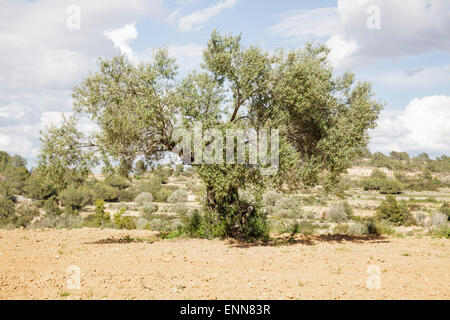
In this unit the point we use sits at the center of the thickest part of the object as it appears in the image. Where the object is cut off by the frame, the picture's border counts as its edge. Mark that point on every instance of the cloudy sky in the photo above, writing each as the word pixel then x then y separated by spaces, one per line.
pixel 402 46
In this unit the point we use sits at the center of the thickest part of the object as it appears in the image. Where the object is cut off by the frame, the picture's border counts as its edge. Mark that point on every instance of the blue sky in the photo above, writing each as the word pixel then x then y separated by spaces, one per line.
pixel 402 47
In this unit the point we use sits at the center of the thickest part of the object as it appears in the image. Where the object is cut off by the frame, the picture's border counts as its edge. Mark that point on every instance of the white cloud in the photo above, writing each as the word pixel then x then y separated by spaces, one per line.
pixel 304 24
pixel 197 20
pixel 342 51
pixel 122 38
pixel 188 56
pixel 41 59
pixel 407 28
pixel 416 77
pixel 422 127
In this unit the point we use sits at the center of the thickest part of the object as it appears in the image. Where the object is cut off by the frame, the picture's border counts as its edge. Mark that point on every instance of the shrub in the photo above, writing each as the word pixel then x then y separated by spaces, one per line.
pixel 105 192
pixel 303 227
pixel 159 225
pixel 179 169
pixel 122 206
pixel 394 212
pixel 162 195
pixel 206 224
pixel 7 210
pixel 287 207
pixel 270 198
pixel 25 214
pixel 377 227
pixel 390 186
pixel 148 210
pixel 180 208
pixel 247 196
pixel 256 227
pixel 142 224
pixel 378 174
pixel 369 184
pixel 39 187
pixel 127 195
pixel 75 197
pixel 51 206
pixel 153 185
pixel 442 231
pixel 278 225
pixel 337 213
pixel 445 209
pixel 144 198
pixel 358 228
pixel 62 221
pixel 439 219
pixel 340 229
pixel 313 201
pixel 420 217
pixel 178 196
pixel 123 222
pixel 140 167
pixel 117 182
pixel 102 218
pixel 347 208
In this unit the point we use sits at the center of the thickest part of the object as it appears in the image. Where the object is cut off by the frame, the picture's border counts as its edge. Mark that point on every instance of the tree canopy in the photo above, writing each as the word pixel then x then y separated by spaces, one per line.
pixel 322 118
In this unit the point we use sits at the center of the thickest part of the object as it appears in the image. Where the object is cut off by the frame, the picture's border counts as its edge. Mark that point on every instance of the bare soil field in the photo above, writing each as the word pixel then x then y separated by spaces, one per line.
pixel 137 265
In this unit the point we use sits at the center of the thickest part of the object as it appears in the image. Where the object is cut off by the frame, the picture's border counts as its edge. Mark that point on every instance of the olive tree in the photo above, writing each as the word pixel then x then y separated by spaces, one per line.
pixel 322 118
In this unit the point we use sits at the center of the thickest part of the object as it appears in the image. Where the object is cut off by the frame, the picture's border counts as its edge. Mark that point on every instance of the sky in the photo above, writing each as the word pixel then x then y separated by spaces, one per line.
pixel 402 46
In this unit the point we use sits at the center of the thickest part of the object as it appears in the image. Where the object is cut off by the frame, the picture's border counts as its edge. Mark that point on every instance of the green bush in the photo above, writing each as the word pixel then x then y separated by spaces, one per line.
pixel 378 181
pixel 143 198
pixel 75 197
pixel 26 213
pixel 39 188
pixel 101 218
pixel 62 221
pixel 127 195
pixel 206 224
pixel 341 229
pixel 153 185
pixel 140 168
pixel 162 195
pixel 378 174
pixel 178 196
pixel 442 231
pixel 348 209
pixel 445 209
pixel 314 201
pixel 158 224
pixel 369 184
pixel 148 209
pixel 180 208
pixel 270 198
pixel 394 212
pixel 7 210
pixel 425 182
pixel 358 228
pixel 338 213
pixel 103 191
pixel 390 186
pixel 51 206
pixel 439 219
pixel 378 227
pixel 123 222
pixel 286 207
pixel 117 182
pixel 256 227
pixel 306 228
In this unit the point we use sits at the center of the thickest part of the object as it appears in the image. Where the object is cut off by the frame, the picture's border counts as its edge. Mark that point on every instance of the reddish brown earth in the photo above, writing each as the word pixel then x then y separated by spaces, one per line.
pixel 33 265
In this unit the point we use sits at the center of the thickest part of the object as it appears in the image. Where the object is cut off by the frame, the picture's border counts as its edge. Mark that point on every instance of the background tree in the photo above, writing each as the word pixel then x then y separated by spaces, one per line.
pixel 322 119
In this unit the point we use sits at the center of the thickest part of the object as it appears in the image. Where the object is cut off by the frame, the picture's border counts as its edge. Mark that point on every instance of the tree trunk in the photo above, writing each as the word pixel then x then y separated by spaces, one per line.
pixel 211 198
